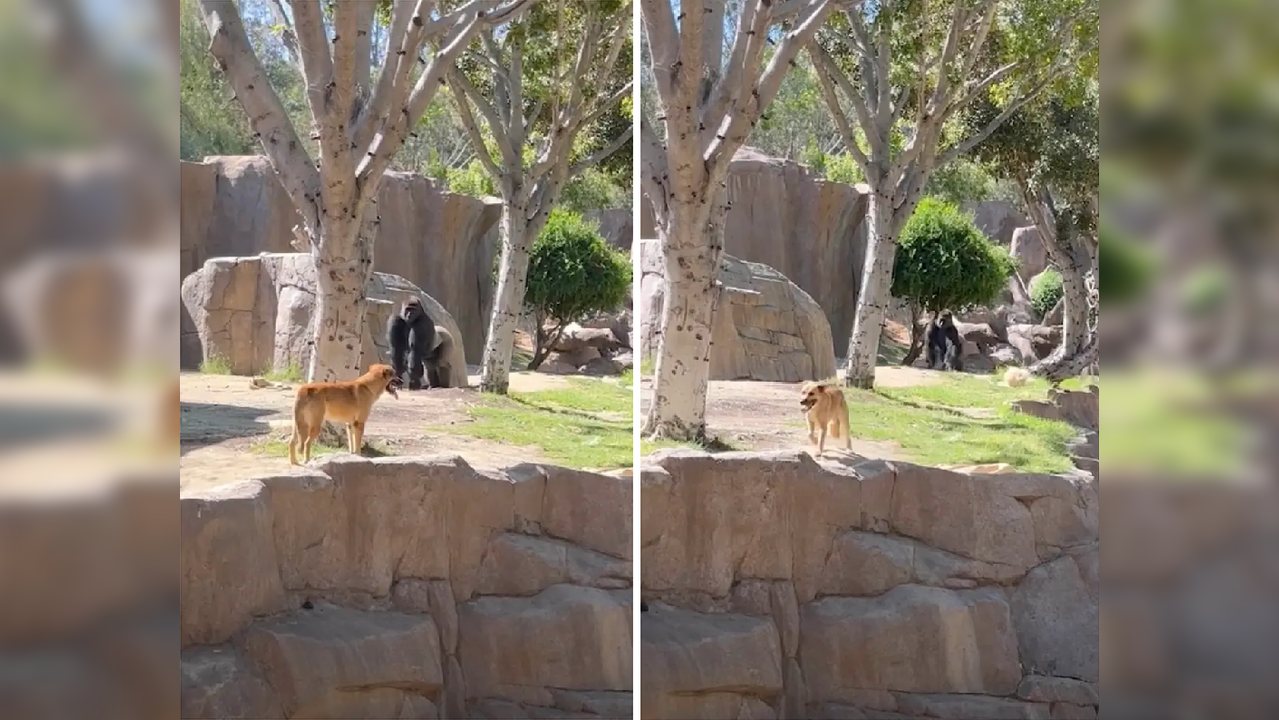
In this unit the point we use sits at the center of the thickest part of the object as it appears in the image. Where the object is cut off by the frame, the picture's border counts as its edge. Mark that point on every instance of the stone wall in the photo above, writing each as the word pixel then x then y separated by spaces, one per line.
pixel 766 327
pixel 255 313
pixel 408 588
pixel 780 588
pixel 441 242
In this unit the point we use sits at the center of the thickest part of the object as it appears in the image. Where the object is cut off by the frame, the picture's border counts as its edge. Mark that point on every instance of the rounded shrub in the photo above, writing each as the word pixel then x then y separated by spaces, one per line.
pixel 1045 291
pixel 572 274
pixel 945 262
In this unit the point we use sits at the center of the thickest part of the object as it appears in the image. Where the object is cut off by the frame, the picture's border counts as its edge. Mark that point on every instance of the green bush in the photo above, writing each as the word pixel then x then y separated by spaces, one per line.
pixel 572 274
pixel 1045 291
pixel 944 262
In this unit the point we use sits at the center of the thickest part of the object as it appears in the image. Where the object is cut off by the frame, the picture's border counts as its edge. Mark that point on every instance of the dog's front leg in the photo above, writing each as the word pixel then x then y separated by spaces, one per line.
pixel 821 440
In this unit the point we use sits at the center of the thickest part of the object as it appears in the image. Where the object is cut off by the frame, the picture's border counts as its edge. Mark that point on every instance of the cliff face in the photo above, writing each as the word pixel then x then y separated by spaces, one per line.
pixel 408 587
pixel 780 587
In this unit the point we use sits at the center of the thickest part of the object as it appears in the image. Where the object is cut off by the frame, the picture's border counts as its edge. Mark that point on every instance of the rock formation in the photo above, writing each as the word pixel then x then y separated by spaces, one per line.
pixel 780 587
pixel 811 230
pixel 439 241
pixel 766 327
pixel 408 588
pixel 1028 250
pixel 806 228
pixel 255 313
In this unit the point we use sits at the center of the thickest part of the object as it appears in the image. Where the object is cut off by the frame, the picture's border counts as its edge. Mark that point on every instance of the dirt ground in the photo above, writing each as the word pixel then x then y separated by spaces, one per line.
pixel 223 417
pixel 766 416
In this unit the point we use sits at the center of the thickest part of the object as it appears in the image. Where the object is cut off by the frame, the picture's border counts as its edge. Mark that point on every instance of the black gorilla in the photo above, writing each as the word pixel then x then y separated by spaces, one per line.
pixel 945 347
pixel 411 333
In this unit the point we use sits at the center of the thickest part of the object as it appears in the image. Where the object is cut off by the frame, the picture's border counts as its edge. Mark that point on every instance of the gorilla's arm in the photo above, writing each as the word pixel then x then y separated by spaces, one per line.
pixel 397 338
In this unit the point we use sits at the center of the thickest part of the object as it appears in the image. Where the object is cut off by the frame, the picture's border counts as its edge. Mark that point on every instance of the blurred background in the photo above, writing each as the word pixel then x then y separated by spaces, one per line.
pixel 88 358
pixel 1190 226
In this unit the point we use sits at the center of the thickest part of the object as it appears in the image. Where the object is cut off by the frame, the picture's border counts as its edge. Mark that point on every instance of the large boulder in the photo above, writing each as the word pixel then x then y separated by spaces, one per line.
pixel 617 225
pixel 809 229
pixel 1028 250
pixel 997 219
pixel 439 241
pixel 255 313
pixel 766 327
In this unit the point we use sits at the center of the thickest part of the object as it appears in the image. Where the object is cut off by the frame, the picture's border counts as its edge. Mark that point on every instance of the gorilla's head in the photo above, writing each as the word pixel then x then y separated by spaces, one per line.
pixel 945 319
pixel 412 309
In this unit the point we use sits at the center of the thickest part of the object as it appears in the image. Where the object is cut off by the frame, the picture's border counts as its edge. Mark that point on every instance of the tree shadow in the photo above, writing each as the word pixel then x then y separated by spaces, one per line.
pixel 205 424
pixel 23 424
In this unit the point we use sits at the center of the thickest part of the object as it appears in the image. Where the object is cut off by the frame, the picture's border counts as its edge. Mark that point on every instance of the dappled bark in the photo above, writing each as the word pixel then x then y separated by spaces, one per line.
pixel 691 294
pixel 916 337
pixel 1075 256
pixel 508 303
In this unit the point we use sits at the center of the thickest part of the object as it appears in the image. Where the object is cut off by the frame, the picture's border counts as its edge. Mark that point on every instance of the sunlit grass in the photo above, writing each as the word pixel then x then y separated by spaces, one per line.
pixel 585 425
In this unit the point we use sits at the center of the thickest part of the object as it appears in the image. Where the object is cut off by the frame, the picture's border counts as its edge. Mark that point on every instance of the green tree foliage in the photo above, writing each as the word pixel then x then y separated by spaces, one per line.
pixel 1045 292
pixel 1129 269
pixel 572 274
pixel 944 262
pixel 210 122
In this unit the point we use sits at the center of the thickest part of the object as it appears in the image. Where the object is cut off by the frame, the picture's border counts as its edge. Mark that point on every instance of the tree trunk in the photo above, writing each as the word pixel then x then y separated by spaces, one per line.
pixel 343 267
pixel 508 305
pixel 916 337
pixel 873 299
pixel 1069 253
pixel 690 297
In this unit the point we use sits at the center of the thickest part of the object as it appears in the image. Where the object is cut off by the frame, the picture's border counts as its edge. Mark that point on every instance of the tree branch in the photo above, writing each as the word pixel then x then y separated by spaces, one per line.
pixel 602 154
pixel 383 95
pixel 462 102
pixel 284 150
pixel 287 37
pixel 663 45
pixel 468 20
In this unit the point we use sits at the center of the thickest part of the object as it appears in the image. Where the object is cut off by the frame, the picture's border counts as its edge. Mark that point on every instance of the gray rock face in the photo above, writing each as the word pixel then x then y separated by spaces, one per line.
pixel 766 327
pixel 439 241
pixel 812 230
pixel 255 312
pixel 870 588
pixel 408 588
pixel 809 229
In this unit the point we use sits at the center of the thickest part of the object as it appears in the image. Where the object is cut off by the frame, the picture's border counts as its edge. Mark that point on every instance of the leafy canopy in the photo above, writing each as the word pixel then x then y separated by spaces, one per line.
pixel 944 262
pixel 1045 291
pixel 573 273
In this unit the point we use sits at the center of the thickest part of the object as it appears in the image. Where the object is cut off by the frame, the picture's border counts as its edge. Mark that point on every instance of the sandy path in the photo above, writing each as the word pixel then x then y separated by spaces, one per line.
pixel 223 418
pixel 766 416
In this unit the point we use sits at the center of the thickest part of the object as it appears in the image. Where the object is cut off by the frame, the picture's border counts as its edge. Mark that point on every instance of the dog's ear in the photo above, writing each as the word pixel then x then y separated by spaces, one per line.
pixel 819 389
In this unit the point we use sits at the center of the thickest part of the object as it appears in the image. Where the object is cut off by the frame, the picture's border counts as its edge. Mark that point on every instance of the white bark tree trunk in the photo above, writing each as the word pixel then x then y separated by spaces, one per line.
pixel 1075 261
pixel 690 298
pixel 508 303
pixel 342 272
pixel 874 295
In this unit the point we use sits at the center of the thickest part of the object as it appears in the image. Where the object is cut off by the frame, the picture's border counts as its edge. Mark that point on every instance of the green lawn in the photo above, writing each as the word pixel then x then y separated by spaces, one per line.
pixel 966 419
pixel 586 425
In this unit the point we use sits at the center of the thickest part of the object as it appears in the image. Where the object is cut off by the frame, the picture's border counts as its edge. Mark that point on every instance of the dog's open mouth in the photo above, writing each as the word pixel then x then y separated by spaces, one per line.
pixel 393 388
pixel 807 403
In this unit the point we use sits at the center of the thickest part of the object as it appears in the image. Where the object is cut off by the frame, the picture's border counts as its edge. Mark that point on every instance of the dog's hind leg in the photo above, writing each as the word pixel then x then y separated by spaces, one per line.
pixel 312 433
pixel 293 452
pixel 821 439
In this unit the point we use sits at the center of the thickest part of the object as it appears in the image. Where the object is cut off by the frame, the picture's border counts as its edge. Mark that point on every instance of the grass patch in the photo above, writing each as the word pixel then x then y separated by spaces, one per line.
pixel 216 365
pixel 585 425
pixel 966 419
pixel 1164 424
pixel 279 447
pixel 291 374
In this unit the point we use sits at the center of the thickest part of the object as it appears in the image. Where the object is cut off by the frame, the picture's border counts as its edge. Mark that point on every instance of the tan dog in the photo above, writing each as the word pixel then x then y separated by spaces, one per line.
pixel 349 402
pixel 827 410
